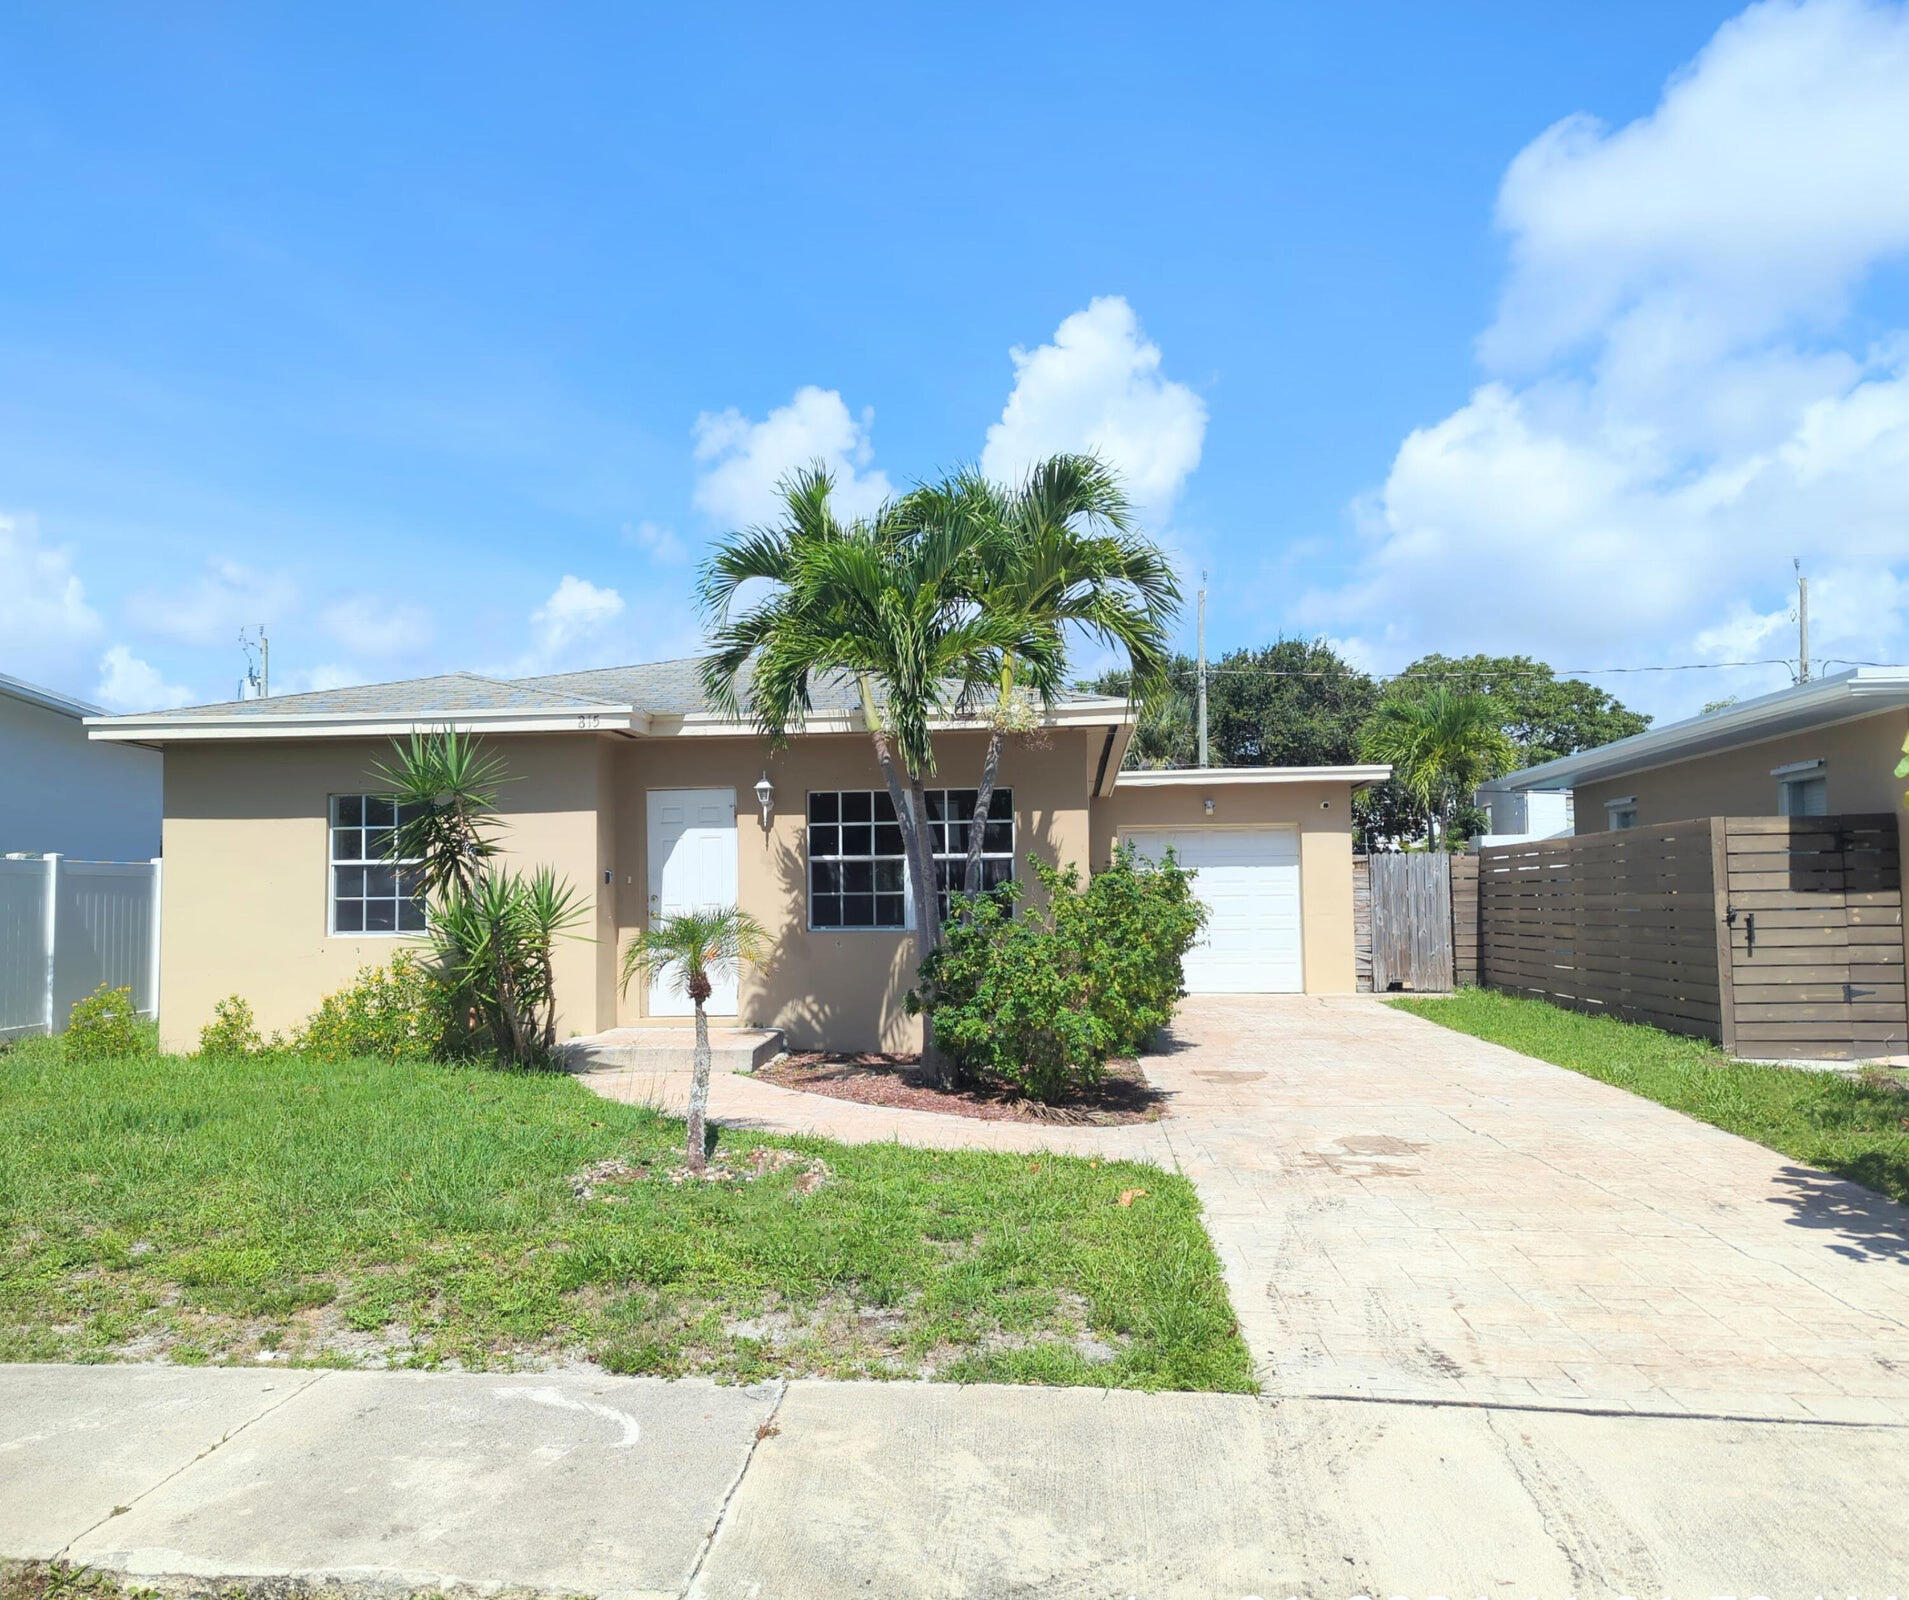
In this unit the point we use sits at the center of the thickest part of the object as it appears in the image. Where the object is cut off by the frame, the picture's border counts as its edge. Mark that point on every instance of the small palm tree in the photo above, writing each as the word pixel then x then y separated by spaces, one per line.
pixel 691 949
pixel 1441 745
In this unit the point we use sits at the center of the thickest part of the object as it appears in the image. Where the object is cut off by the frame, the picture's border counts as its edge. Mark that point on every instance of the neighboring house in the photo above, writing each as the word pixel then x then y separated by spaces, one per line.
pixel 626 782
pixel 1829 745
pixel 61 793
pixel 1520 815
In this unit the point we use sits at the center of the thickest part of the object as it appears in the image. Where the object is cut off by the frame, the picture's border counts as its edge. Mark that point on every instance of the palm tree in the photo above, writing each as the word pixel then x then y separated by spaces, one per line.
pixel 1441 745
pixel 1057 551
pixel 691 949
pixel 890 602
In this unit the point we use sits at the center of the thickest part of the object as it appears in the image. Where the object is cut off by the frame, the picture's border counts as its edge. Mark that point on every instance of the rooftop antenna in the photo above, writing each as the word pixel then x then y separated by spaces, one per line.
pixel 1802 622
pixel 257 682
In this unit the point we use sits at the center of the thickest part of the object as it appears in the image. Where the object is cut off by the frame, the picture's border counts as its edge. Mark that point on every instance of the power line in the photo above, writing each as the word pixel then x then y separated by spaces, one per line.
pixel 1517 672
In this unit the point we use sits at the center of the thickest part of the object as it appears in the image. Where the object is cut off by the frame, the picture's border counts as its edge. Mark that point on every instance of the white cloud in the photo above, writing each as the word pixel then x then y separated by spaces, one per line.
pixel 1643 504
pixel 326 675
pixel 1098 388
pixel 126 683
pixel 659 543
pixel 43 607
pixel 1766 184
pixel 567 627
pixel 740 461
pixel 227 596
pixel 371 626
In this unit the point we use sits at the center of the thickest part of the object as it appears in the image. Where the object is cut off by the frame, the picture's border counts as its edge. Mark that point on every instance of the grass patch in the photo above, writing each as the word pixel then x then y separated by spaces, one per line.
pixel 1854 1125
pixel 166 1207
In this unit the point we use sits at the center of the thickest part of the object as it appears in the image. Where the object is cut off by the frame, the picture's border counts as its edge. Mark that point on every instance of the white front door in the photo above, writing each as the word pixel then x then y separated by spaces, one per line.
pixel 692 858
pixel 1249 880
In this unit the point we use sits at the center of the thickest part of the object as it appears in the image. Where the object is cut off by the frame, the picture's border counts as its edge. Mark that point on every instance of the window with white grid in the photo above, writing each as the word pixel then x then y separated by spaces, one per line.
pixel 858 876
pixel 371 892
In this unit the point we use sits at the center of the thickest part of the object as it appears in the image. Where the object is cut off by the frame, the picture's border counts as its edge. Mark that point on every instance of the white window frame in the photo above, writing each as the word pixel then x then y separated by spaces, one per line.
pixel 942 826
pixel 1624 808
pixel 334 863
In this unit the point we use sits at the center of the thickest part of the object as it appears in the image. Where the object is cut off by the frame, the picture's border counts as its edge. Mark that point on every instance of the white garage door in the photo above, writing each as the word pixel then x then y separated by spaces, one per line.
pixel 1249 879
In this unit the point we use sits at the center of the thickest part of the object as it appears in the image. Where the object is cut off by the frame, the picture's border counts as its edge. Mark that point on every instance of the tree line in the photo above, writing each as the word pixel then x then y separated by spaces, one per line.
pixel 1446 724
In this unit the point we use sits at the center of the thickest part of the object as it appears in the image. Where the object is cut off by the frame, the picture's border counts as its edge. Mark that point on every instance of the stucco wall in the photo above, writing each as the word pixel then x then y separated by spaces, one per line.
pixel 245 881
pixel 60 792
pixel 842 989
pixel 1323 814
pixel 1860 759
pixel 246 867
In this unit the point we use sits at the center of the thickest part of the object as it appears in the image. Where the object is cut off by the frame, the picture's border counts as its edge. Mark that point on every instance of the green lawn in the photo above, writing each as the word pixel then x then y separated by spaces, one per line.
pixel 168 1207
pixel 1856 1127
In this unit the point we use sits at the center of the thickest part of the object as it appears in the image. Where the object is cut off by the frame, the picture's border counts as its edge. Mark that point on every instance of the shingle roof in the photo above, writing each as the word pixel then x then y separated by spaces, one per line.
pixel 411 697
pixel 665 688
pixel 675 688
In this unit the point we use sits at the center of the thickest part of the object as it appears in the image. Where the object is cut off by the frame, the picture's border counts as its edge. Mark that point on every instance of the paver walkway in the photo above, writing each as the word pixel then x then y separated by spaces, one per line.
pixel 1406 1212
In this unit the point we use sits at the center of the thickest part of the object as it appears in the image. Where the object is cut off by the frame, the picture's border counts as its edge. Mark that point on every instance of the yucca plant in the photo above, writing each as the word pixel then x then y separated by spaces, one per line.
pixel 690 950
pixel 446 785
pixel 492 932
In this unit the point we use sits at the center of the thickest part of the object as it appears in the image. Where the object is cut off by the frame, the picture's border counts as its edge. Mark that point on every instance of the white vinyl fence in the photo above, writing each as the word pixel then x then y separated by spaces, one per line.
pixel 66 927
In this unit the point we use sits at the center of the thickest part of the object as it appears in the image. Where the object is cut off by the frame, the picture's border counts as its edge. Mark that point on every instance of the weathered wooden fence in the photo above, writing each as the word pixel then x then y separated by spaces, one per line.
pixel 1415 921
pixel 1775 936
pixel 1411 921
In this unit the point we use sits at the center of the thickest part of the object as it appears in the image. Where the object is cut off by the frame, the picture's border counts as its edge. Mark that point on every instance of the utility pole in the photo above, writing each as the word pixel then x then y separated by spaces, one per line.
pixel 1802 623
pixel 1202 669
pixel 257 679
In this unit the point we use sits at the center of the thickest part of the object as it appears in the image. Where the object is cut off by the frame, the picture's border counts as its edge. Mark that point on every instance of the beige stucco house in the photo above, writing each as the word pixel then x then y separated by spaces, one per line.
pixel 1822 747
pixel 624 780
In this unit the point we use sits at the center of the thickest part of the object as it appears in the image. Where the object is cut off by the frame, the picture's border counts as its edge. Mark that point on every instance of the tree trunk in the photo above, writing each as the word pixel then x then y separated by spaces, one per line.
pixel 911 814
pixel 698 1093
pixel 977 824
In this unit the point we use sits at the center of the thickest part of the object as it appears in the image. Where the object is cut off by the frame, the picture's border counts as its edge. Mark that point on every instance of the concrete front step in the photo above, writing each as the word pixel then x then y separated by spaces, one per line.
pixel 671 1049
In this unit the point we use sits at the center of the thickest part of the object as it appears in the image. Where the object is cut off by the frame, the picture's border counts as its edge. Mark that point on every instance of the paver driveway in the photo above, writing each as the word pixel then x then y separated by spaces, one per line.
pixel 1409 1213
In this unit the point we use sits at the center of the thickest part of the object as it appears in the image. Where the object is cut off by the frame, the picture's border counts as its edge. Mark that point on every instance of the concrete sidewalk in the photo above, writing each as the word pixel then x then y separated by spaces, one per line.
pixel 626 1487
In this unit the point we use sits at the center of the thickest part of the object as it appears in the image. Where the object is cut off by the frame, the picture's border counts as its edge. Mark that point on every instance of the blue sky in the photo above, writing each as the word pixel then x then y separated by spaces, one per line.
pixel 444 337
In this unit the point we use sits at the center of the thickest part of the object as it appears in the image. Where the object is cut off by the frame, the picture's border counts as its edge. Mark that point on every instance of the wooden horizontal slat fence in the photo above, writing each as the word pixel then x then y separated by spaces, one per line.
pixel 1814 936
pixel 1776 936
pixel 1620 923
pixel 1465 919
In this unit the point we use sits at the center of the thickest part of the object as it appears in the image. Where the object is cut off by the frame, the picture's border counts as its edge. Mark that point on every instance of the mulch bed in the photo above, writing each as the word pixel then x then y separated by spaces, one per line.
pixel 1123 1096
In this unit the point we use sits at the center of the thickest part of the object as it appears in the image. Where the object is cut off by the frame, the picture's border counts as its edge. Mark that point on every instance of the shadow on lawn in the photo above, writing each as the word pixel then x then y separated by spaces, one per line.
pixel 1874 1227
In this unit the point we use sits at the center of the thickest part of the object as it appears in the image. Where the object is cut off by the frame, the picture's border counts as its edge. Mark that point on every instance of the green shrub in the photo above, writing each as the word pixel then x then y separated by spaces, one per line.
pixel 390 1013
pixel 232 1032
pixel 1137 920
pixel 1045 995
pixel 105 1025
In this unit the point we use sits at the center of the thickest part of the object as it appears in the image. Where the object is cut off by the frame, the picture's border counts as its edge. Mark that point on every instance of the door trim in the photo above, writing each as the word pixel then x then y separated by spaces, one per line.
pixel 652 869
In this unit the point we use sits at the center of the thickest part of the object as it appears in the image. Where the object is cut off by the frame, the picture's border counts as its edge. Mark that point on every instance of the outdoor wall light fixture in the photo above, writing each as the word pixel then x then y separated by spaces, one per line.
pixel 766 798
pixel 1209 807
